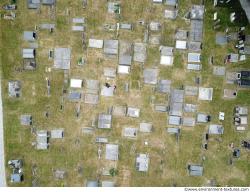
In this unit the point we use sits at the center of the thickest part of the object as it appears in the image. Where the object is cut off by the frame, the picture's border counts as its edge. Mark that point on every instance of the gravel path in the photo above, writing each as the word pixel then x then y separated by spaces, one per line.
pixel 2 164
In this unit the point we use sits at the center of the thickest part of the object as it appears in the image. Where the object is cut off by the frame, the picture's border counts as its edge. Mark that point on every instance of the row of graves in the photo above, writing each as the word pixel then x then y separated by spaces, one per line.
pixel 181 114
pixel 223 39
pixel 185 40
pixel 171 11
pixel 108 151
pixel 126 51
pixel 104 121
pixel 35 4
pixel 241 44
pixel 42 142
pixel 241 123
pixel 29 63
pixel 237 79
pixel 240 118
pixel 42 136
pixel 89 92
pixel 62 61
pixel 9 11
pixel 29 53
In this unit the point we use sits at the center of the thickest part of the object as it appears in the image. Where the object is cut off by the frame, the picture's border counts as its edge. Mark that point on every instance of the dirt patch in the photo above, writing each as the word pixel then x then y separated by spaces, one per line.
pixel 126 175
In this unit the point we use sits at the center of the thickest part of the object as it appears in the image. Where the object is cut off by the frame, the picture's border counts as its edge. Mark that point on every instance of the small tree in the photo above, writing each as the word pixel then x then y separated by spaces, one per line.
pixel 113 172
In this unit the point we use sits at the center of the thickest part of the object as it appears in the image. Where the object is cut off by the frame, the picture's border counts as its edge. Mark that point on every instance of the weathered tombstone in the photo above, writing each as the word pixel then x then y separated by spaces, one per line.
pixel 141 22
pixel 203 158
pixel 126 87
pixel 39 11
pixel 66 77
pixel 217 22
pixel 205 146
pixel 99 152
pixel 84 4
pixel 51 54
pixel 230 161
pixel 93 122
pixel 177 137
pixel 47 112
pixel 110 109
pixel 78 110
pixel 219 139
pixel 51 30
pixel 132 149
pixel 146 35
pixel 215 3
pixel 59 174
pixel 80 170
pixel 232 17
pixel 84 44
pixel 61 103
pixel 217 27
pixel 34 169
pixel 77 142
pixel 33 130
pixel 152 99
pixel 48 87
pixel 33 90
pixel 211 60
pixel 236 153
pixel 206 136
pixel 198 80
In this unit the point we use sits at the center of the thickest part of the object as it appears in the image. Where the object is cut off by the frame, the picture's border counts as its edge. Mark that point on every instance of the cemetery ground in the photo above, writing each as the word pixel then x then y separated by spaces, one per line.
pixel 77 153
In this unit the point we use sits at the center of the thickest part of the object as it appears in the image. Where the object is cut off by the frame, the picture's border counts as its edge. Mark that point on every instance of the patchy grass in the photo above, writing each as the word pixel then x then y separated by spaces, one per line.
pixel 168 159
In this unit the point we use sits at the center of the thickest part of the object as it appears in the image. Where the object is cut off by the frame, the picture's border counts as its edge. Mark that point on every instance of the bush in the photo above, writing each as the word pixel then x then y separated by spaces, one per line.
pixel 113 172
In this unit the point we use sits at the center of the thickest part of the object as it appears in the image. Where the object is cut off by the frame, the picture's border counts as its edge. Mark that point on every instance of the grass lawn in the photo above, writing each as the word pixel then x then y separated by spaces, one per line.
pixel 168 159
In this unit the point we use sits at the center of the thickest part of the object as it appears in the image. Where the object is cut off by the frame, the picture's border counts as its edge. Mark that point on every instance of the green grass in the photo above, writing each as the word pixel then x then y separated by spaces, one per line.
pixel 178 62
pixel 61 22
pixel 168 160
pixel 226 9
